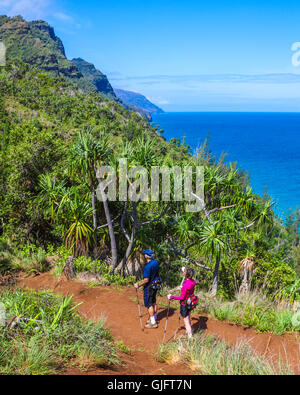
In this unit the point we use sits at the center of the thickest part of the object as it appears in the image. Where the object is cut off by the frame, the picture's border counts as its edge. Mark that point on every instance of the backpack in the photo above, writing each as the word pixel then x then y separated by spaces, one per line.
pixel 156 284
pixel 192 302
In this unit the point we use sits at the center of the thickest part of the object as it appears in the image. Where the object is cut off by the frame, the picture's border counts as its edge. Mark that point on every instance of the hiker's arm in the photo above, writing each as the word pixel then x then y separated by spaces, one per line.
pixel 144 282
pixel 182 295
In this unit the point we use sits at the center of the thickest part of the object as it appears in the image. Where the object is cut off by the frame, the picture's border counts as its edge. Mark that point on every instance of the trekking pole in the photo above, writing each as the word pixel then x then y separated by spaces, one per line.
pixel 179 286
pixel 178 326
pixel 139 307
pixel 165 331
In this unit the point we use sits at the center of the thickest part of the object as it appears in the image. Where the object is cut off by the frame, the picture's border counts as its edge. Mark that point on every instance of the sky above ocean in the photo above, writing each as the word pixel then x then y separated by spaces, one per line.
pixel 266 145
pixel 184 55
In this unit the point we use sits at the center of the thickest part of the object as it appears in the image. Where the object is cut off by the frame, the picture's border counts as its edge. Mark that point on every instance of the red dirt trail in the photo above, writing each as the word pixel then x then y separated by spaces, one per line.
pixel 119 306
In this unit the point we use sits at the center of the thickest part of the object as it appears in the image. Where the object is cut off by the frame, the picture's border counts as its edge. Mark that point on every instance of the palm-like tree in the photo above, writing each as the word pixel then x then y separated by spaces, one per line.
pixel 79 234
pixel 185 229
pixel 214 181
pixel 50 195
pixel 246 267
pixel 212 241
pixel 266 215
pixel 87 153
pixel 143 153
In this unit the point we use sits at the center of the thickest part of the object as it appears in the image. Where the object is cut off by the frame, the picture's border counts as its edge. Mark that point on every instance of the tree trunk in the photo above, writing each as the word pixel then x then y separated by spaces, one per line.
pixel 214 287
pixel 244 286
pixel 113 244
pixel 69 270
pixel 94 213
pixel 128 252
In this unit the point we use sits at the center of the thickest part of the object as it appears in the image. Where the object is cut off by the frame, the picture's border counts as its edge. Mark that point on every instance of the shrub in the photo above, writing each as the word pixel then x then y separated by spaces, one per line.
pixel 254 310
pixel 52 335
pixel 207 355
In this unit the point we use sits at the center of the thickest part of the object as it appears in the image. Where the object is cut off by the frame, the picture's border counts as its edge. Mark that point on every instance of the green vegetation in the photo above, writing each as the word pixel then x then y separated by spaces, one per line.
pixel 35 43
pixel 98 79
pixel 54 137
pixel 207 355
pixel 253 310
pixel 50 336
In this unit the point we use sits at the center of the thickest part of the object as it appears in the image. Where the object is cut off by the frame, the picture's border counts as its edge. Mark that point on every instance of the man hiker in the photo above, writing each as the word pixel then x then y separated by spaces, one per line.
pixel 187 291
pixel 151 272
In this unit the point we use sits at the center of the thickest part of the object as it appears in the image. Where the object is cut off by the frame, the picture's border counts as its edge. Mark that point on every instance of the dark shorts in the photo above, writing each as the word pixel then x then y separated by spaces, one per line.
pixel 184 311
pixel 149 297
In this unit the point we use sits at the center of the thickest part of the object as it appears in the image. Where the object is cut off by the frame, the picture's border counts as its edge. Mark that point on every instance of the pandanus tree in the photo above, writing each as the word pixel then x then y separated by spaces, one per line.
pixel 50 195
pixel 87 153
pixel 212 242
pixel 140 156
pixel 246 268
pixel 226 209
pixel 79 235
pixel 69 211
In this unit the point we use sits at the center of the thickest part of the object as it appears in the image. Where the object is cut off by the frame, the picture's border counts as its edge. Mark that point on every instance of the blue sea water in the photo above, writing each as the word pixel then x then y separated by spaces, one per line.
pixel 266 145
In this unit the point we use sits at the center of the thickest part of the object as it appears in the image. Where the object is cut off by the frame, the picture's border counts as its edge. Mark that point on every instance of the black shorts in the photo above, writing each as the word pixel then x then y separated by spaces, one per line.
pixel 184 310
pixel 149 297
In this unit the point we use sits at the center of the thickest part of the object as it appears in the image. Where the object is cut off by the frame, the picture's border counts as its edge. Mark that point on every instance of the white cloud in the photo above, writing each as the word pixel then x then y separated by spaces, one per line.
pixel 158 100
pixel 35 9
pixel 29 9
pixel 63 17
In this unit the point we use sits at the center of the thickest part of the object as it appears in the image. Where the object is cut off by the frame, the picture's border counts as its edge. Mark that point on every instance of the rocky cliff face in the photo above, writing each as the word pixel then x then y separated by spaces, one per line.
pixel 139 101
pixel 131 101
pixel 35 43
pixel 98 79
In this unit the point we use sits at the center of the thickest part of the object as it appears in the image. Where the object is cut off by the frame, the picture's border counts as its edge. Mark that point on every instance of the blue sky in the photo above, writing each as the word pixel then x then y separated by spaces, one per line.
pixel 184 55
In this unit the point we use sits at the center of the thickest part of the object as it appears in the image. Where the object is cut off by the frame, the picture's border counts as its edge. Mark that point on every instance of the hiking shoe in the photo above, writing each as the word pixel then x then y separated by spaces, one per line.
pixel 148 322
pixel 151 326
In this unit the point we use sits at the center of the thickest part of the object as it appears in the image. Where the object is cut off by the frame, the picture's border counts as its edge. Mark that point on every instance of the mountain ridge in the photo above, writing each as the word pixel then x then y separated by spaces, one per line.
pixel 138 100
pixel 36 44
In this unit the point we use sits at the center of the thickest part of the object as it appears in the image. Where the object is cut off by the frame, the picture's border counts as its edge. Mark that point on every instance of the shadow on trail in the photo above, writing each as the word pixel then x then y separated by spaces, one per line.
pixel 200 323
pixel 163 314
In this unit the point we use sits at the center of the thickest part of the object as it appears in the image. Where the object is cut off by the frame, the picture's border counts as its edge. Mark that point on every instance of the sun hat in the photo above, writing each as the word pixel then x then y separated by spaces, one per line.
pixel 148 252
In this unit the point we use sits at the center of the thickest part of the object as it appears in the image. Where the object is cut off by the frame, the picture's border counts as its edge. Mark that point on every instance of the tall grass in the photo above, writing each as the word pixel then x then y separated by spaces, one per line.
pixel 206 355
pixel 253 310
pixel 53 335
pixel 29 259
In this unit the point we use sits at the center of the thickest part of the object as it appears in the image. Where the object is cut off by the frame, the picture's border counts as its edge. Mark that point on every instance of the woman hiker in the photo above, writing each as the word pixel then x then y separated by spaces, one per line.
pixel 151 272
pixel 187 290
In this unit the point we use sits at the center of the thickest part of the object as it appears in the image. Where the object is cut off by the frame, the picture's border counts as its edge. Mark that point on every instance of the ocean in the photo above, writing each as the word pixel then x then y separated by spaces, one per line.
pixel 266 145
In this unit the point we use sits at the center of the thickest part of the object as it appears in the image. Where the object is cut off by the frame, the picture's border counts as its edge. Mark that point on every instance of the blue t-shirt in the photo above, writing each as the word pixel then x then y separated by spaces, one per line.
pixel 151 272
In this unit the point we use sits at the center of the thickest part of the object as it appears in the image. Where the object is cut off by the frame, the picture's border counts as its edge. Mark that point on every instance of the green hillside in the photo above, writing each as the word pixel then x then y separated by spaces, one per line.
pixel 98 79
pixel 137 100
pixel 35 43
pixel 54 136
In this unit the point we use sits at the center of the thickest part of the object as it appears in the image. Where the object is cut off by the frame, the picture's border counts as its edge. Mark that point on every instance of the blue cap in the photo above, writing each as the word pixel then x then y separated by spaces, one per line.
pixel 148 252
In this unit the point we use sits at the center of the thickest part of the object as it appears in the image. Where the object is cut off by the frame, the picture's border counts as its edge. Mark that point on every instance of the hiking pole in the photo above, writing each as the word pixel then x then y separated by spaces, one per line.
pixel 139 307
pixel 178 326
pixel 179 286
pixel 165 331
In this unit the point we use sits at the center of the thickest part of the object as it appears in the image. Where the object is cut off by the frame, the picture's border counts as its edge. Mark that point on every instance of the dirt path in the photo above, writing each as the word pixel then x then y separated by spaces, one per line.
pixel 119 306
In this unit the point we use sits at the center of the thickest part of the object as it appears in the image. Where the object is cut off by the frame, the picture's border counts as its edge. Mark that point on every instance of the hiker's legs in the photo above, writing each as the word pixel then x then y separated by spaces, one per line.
pixel 152 319
pixel 150 303
pixel 151 310
pixel 188 326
